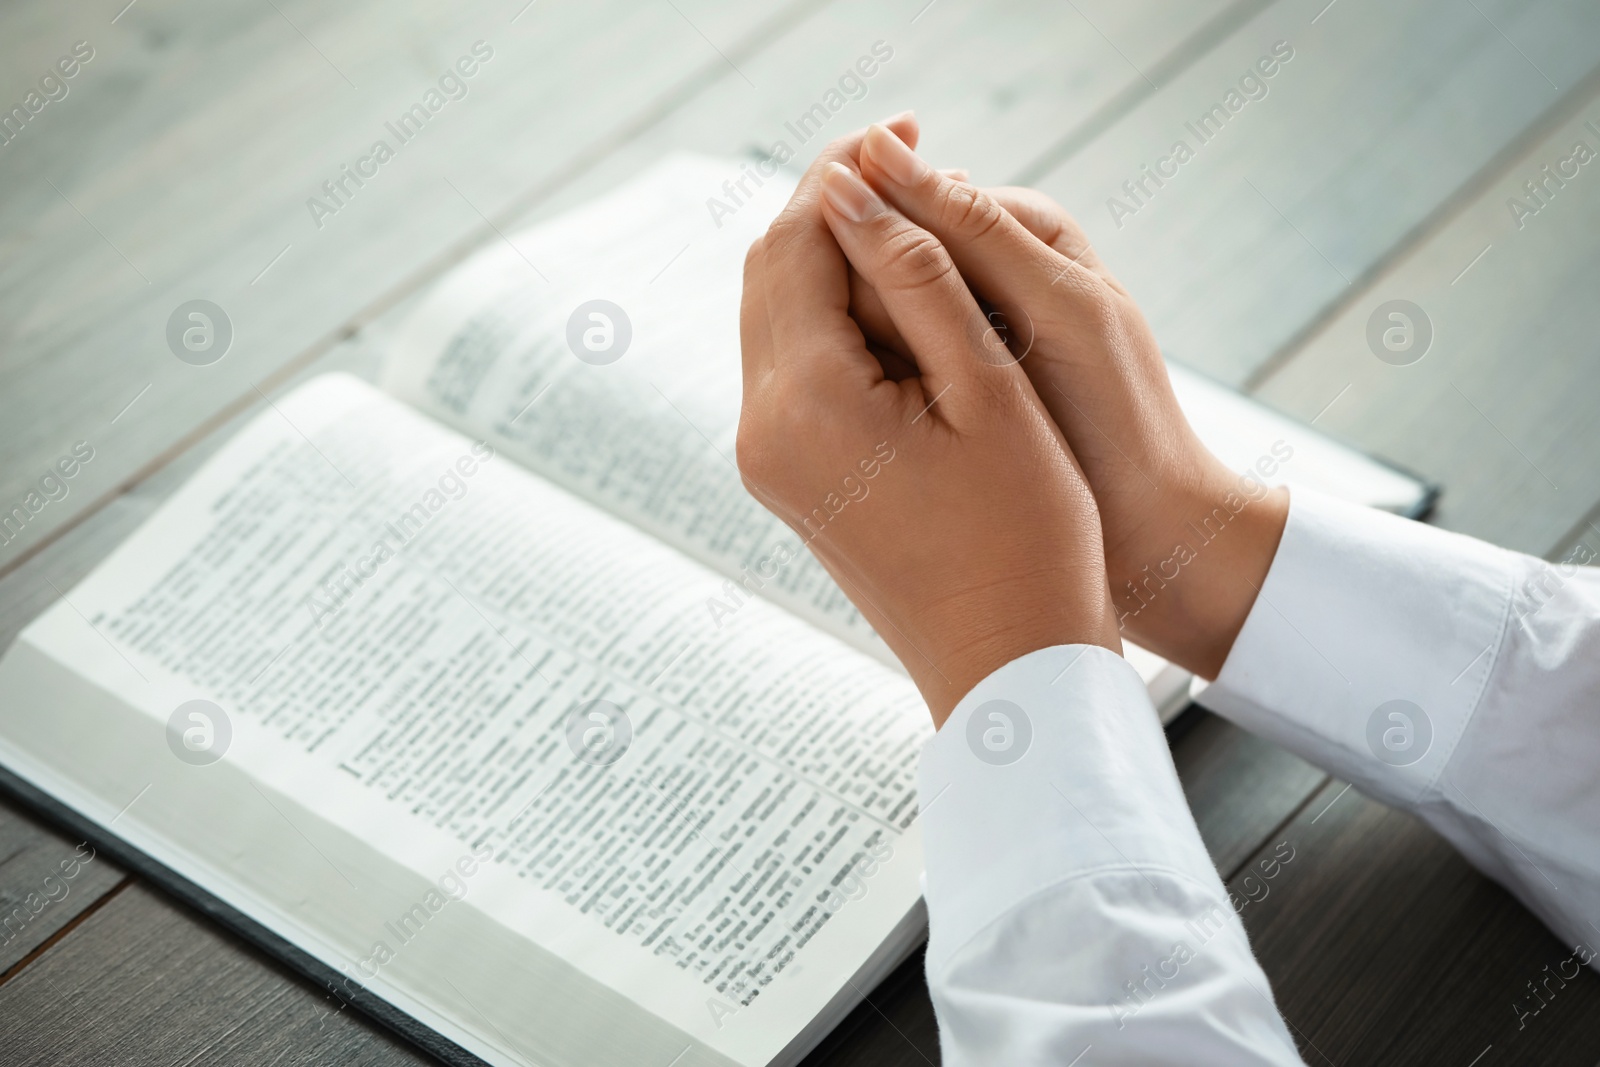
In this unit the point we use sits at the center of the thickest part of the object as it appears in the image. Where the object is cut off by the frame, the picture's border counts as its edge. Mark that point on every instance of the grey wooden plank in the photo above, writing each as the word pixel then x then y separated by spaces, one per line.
pixel 1240 788
pixel 46 881
pixel 1383 113
pixel 140 982
pixel 1583 543
pixel 995 86
pixel 1384 946
pixel 1499 409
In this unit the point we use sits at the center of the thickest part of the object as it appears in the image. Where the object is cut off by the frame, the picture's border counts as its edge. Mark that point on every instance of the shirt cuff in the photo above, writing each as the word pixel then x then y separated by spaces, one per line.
pixel 1369 645
pixel 1052 768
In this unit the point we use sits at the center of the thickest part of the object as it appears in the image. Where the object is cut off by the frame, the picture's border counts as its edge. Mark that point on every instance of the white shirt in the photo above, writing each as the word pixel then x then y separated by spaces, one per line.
pixel 1071 903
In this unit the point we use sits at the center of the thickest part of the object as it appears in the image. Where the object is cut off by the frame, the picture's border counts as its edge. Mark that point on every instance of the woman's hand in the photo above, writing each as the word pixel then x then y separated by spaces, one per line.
pixel 945 503
pixel 1096 366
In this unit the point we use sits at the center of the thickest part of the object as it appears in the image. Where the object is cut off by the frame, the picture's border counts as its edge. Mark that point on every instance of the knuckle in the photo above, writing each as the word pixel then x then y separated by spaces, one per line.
pixel 1084 292
pixel 1042 216
pixel 913 257
pixel 1062 229
pixel 769 440
pixel 787 228
pixel 1096 304
pixel 968 211
pixel 753 452
pixel 769 430
pixel 1096 312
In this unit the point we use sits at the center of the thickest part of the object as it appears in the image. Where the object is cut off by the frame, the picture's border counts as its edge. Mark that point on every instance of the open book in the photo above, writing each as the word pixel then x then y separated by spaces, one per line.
pixel 492 701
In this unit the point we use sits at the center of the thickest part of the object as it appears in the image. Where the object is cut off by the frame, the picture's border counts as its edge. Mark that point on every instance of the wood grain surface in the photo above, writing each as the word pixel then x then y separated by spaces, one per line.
pixel 140 982
pixel 1501 407
pixel 1383 113
pixel 47 882
pixel 1384 946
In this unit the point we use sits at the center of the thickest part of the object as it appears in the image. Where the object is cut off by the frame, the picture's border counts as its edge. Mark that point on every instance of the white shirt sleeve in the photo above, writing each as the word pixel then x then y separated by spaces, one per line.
pixel 1072 906
pixel 1443 676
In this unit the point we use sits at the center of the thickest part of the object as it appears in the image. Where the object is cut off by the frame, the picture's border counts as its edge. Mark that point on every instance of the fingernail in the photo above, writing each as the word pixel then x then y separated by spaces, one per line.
pixel 849 195
pixel 907 114
pixel 900 163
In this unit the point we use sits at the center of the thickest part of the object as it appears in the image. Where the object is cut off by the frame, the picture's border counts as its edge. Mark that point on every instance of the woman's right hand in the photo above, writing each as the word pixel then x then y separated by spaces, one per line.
pixel 1095 364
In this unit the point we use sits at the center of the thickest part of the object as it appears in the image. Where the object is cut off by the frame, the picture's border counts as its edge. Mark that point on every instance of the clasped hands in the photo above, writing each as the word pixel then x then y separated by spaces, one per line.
pixel 1041 463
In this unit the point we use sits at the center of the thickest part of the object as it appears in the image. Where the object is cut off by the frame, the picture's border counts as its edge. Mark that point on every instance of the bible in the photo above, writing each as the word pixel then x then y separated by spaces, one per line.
pixel 486 696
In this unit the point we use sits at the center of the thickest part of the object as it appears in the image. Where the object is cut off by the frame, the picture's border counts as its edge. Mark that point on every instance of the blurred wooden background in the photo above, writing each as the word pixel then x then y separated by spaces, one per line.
pixel 1380 164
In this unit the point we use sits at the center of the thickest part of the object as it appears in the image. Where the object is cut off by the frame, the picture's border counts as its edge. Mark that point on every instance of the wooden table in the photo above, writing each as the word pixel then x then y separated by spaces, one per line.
pixel 1380 163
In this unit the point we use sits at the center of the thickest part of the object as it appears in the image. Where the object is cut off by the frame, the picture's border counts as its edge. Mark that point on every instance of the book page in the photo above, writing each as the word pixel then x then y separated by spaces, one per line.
pixel 649 435
pixel 414 643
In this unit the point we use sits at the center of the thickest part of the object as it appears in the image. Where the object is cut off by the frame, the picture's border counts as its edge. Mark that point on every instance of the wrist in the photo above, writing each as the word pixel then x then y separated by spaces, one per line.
pixel 1008 625
pixel 1188 591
